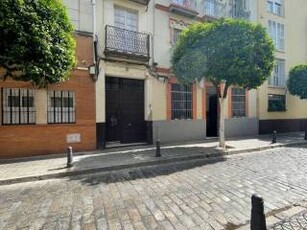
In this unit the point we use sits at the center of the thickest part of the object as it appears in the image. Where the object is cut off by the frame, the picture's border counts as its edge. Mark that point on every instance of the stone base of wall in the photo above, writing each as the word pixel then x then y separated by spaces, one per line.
pixel 179 130
pixel 282 125
pixel 236 127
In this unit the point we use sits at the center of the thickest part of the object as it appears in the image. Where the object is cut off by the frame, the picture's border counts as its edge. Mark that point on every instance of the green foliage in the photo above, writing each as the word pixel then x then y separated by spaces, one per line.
pixel 36 41
pixel 233 50
pixel 297 82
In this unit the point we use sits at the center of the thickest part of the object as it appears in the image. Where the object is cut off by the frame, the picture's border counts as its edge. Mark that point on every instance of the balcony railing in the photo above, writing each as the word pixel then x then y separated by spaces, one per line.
pixel 122 42
pixel 185 7
pixel 214 9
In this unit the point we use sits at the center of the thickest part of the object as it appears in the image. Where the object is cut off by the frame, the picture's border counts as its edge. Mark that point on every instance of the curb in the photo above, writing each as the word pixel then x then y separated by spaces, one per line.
pixel 214 155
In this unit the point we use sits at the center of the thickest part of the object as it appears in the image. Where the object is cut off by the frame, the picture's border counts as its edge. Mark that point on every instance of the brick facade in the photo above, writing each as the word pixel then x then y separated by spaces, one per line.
pixel 43 138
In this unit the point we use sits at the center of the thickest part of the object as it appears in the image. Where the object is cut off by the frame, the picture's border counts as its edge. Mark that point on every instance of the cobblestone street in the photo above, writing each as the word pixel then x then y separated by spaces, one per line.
pixel 191 195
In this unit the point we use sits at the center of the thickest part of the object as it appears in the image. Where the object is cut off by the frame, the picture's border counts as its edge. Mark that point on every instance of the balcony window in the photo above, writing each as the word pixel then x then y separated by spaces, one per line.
pixel 214 9
pixel 278 77
pixel 126 19
pixel 275 7
pixel 277 103
pixel 241 9
pixel 184 7
pixel 181 101
pixel 277 33
pixel 18 106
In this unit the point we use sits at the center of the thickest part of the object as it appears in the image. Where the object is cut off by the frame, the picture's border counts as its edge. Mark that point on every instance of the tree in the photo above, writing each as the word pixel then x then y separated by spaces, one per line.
pixel 297 82
pixel 226 52
pixel 36 41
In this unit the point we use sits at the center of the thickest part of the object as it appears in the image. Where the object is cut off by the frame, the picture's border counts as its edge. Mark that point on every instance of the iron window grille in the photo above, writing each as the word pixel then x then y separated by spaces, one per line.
pixel 277 103
pixel 61 107
pixel 18 106
pixel 181 98
pixel 238 102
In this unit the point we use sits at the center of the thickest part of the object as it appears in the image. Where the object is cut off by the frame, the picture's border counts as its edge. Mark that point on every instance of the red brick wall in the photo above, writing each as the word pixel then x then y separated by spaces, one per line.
pixel 28 140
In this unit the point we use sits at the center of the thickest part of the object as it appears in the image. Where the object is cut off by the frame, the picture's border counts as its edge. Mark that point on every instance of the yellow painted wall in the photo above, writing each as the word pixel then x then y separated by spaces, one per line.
pixel 41 106
pixel 295 22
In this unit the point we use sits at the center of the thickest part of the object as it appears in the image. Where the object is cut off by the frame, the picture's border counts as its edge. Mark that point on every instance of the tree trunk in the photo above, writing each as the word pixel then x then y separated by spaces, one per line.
pixel 222 102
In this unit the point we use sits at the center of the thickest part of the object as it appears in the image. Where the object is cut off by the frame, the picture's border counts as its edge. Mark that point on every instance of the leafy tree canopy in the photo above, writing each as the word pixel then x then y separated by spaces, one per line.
pixel 233 50
pixel 36 41
pixel 297 82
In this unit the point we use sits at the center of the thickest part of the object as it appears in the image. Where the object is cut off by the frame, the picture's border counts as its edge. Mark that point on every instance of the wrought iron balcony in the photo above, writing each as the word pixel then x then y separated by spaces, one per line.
pixel 184 7
pixel 124 43
pixel 213 9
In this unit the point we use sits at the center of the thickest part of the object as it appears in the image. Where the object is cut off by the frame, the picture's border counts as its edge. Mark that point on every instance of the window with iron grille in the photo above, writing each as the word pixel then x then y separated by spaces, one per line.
pixel 18 106
pixel 278 77
pixel 238 102
pixel 181 101
pixel 61 107
pixel 277 103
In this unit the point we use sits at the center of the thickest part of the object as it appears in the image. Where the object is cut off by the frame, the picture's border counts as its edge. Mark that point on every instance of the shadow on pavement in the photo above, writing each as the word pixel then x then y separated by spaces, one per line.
pixel 128 167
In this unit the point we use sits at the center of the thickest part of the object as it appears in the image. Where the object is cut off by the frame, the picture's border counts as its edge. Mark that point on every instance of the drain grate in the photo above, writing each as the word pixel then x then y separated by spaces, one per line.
pixel 296 222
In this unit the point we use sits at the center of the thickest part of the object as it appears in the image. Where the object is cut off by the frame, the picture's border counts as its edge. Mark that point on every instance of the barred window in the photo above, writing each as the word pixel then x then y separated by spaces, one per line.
pixel 18 106
pixel 238 102
pixel 181 101
pixel 61 107
pixel 277 103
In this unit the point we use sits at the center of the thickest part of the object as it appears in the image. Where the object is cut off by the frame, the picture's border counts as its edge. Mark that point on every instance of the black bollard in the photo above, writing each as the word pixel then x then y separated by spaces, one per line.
pixel 305 135
pixel 274 137
pixel 69 157
pixel 158 150
pixel 257 215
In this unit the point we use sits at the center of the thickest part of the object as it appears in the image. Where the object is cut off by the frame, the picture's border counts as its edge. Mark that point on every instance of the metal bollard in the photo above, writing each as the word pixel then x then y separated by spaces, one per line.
pixel 158 150
pixel 69 157
pixel 305 138
pixel 274 137
pixel 257 215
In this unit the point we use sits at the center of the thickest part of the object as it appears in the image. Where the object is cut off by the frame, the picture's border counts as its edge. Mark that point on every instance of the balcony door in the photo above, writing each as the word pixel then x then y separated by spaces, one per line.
pixel 128 21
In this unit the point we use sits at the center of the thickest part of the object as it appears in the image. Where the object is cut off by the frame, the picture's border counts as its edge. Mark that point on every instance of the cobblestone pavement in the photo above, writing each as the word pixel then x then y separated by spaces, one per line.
pixel 192 195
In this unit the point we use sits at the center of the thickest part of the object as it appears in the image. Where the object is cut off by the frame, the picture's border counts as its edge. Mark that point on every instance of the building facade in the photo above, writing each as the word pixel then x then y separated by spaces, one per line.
pixel 46 121
pixel 133 96
pixel 286 23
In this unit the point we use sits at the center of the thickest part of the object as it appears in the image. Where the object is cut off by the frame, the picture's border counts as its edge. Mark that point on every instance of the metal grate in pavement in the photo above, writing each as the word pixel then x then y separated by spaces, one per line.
pixel 296 222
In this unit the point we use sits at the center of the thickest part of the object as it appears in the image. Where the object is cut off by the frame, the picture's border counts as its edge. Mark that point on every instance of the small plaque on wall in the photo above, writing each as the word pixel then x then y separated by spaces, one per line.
pixel 73 138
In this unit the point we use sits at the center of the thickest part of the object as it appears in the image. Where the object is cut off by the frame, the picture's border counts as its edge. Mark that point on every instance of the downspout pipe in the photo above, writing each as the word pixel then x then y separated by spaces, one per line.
pixel 95 51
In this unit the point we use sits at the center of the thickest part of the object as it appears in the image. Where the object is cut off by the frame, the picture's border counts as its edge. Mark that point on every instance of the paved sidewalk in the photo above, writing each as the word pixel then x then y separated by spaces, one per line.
pixel 38 168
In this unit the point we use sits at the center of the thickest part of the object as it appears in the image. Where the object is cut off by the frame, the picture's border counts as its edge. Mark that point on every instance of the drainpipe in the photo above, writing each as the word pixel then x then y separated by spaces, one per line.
pixel 95 40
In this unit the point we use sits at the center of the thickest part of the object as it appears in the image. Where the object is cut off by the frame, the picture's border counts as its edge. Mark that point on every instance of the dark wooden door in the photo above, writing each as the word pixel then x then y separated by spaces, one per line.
pixel 125 110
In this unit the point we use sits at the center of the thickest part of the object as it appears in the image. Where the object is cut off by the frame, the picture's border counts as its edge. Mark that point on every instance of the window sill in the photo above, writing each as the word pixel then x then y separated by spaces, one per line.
pixel 277 87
